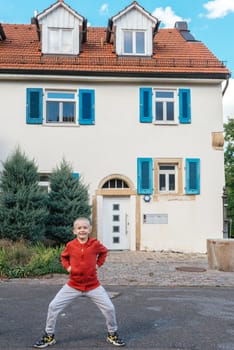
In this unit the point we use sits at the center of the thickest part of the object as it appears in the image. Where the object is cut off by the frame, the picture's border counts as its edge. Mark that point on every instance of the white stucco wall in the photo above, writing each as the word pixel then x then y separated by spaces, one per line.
pixel 114 143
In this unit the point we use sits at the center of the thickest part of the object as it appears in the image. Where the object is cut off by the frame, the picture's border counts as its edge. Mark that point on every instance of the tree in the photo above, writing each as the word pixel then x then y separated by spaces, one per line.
pixel 23 206
pixel 229 169
pixel 68 199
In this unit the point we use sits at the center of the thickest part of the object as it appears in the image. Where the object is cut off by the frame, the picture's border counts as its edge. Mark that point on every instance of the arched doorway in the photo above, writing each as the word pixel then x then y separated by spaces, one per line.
pixel 116 212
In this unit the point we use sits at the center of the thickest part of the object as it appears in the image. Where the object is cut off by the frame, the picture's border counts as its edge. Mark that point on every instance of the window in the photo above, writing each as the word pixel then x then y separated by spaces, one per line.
pixel 44 182
pixel 133 42
pixel 60 40
pixel 60 107
pixel 167 178
pixel 115 183
pixel 164 106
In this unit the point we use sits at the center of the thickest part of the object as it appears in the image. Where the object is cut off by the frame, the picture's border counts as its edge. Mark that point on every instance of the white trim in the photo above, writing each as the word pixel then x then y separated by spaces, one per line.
pixel 137 7
pixel 49 78
pixel 54 7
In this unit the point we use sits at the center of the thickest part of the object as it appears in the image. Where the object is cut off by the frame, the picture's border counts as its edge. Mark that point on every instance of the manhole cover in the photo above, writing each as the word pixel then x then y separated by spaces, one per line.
pixel 190 269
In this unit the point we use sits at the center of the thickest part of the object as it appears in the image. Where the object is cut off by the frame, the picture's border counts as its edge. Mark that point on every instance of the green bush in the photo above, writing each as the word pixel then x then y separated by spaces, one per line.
pixel 45 260
pixel 21 259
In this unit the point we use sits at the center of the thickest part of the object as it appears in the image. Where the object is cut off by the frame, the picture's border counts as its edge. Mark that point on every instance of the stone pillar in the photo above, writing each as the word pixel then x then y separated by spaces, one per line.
pixel 221 254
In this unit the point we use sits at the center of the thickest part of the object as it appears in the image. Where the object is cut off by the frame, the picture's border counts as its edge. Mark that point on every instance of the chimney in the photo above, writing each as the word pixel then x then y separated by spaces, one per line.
pixel 181 25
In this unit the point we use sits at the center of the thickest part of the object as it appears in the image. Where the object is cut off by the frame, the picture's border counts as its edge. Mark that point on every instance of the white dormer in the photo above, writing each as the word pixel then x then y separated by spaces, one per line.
pixel 134 29
pixel 61 30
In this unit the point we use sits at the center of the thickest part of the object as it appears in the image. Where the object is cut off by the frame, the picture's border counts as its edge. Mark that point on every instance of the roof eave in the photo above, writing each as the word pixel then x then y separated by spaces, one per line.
pixel 176 75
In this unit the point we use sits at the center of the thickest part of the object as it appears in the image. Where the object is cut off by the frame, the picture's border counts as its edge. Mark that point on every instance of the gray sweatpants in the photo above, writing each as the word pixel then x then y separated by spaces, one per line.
pixel 67 294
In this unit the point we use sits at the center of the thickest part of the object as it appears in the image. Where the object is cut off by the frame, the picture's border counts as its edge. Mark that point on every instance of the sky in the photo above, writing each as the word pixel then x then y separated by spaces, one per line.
pixel 209 21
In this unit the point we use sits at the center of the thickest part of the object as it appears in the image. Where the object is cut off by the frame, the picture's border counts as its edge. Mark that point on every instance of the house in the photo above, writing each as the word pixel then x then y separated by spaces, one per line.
pixel 135 108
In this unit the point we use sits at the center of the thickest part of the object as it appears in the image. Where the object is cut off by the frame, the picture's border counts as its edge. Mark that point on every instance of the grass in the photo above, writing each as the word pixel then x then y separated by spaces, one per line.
pixel 20 259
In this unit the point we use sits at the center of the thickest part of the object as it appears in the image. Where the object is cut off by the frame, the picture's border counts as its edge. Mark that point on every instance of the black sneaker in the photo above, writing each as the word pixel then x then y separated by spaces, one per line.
pixel 114 339
pixel 45 341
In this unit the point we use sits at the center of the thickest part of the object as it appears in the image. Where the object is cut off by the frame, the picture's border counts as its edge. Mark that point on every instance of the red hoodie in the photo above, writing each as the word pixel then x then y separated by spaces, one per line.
pixel 83 259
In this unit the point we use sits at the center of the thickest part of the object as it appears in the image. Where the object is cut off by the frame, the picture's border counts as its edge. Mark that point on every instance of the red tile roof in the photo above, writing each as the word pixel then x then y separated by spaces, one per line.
pixel 21 53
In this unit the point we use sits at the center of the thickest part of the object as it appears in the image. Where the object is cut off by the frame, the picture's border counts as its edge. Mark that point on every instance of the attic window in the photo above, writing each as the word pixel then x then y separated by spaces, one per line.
pixel 60 40
pixel 133 42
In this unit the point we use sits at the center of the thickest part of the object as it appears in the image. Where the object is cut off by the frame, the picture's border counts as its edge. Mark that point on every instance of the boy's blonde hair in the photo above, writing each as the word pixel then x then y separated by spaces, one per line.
pixel 81 218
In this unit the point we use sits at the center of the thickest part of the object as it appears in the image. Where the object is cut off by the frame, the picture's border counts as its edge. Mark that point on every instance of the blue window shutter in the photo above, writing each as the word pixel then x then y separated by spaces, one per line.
pixel 34 105
pixel 146 105
pixel 144 176
pixel 76 176
pixel 192 176
pixel 184 106
pixel 86 107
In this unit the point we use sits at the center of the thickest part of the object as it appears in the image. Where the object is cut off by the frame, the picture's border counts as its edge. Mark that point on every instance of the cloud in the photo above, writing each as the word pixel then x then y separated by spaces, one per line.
pixel 104 9
pixel 167 16
pixel 228 103
pixel 218 8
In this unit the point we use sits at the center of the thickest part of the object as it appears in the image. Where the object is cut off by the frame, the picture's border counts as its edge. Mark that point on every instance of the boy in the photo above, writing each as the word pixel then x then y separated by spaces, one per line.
pixel 80 258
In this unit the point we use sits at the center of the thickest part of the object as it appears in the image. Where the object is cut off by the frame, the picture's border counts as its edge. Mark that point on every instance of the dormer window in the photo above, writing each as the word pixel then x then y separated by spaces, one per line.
pixel 63 30
pixel 132 31
pixel 134 42
pixel 60 40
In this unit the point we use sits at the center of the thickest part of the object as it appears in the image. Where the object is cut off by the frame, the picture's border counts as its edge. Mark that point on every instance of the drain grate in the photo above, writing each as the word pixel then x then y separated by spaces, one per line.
pixel 190 269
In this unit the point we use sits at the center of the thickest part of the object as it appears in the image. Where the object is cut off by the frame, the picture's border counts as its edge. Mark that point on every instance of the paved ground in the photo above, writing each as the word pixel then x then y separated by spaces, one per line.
pixel 154 269
pixel 159 306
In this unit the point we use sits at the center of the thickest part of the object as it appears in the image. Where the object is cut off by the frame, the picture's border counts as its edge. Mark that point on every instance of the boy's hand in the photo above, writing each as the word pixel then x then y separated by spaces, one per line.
pixel 69 269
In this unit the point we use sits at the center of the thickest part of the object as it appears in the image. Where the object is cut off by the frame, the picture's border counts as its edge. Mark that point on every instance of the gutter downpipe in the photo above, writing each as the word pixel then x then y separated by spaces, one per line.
pixel 226 86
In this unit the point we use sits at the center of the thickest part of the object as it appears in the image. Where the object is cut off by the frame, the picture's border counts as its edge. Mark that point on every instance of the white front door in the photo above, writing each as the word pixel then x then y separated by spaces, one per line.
pixel 116 229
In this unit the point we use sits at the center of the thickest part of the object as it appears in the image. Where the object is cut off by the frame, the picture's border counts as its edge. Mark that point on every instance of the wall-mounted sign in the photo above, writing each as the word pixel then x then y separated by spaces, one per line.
pixel 155 218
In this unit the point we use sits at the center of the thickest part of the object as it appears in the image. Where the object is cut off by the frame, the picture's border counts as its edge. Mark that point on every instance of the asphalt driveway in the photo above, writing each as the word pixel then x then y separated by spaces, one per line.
pixel 150 317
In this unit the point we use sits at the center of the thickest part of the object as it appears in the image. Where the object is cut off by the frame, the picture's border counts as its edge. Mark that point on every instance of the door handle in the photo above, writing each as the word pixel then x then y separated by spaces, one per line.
pixel 126 224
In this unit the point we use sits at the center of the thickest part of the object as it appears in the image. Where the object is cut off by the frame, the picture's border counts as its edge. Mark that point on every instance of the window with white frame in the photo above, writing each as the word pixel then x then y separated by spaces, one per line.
pixel 115 183
pixel 60 40
pixel 164 106
pixel 44 182
pixel 134 42
pixel 60 107
pixel 167 178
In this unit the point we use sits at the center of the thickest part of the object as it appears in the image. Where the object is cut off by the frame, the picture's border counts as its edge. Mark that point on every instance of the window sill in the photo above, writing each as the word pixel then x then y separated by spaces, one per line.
pixel 61 125
pixel 165 123
pixel 173 197
pixel 134 55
